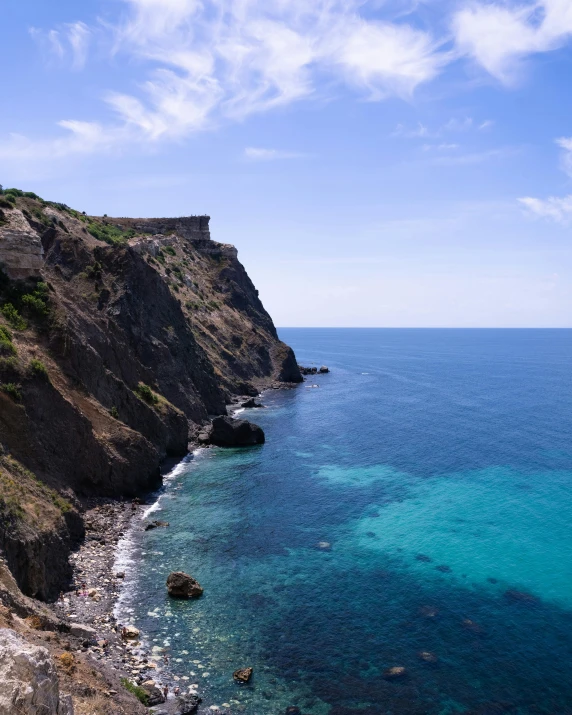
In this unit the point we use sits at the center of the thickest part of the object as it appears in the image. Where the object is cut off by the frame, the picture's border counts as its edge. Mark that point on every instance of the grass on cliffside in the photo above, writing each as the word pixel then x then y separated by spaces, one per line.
pixel 25 497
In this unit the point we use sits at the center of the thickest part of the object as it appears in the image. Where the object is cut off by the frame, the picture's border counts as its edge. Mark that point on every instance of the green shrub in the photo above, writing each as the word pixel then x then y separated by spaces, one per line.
pixel 146 394
pixel 6 344
pixel 139 693
pixel 9 364
pixel 170 250
pixel 13 317
pixel 108 233
pixel 114 412
pixel 35 305
pixel 13 390
pixel 7 202
pixel 38 368
pixel 57 500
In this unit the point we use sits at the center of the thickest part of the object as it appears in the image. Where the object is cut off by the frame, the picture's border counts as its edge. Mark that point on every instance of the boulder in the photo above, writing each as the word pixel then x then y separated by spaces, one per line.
pixel 323 370
pixel 251 403
pixel 28 679
pixel 86 633
pixel 188 705
pixel 242 675
pixel 181 585
pixel 130 632
pixel 155 695
pixel 227 432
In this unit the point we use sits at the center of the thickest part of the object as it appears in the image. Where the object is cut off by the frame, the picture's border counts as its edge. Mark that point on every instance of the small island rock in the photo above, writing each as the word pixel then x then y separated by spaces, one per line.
pixel 181 585
pixel 227 432
pixel 242 675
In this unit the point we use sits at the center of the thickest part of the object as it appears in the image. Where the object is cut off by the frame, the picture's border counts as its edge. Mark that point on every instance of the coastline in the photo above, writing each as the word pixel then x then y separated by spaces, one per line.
pixel 104 568
pixel 101 576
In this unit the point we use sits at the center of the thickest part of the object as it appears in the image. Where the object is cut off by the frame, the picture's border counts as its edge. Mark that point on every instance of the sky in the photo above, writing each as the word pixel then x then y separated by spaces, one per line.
pixel 381 163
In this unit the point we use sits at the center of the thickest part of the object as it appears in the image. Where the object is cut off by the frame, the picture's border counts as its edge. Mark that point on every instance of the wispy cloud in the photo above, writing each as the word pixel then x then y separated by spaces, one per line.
pixel 455 125
pixel 258 154
pixel 69 43
pixel 499 35
pixel 477 157
pixel 556 208
pixel 213 61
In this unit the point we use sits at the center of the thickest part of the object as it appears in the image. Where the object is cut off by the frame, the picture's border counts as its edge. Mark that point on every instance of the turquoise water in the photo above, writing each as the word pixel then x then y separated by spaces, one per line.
pixel 389 513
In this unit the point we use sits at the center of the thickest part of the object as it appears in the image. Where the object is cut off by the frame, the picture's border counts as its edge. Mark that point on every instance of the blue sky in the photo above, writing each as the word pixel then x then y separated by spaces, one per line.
pixel 382 163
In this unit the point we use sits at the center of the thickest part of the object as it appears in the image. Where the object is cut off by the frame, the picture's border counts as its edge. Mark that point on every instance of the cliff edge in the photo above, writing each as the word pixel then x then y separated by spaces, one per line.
pixel 119 338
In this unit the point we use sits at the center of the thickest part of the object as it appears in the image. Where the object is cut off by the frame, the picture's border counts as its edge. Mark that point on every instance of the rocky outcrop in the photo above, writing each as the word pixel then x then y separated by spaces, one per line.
pixel 181 585
pixel 229 432
pixel 28 679
pixel 21 251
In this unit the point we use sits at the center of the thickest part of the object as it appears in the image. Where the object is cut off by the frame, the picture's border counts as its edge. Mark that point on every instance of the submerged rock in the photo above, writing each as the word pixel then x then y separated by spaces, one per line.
pixel 181 585
pixel 28 679
pixel 156 525
pixel 227 432
pixel 427 656
pixel 520 596
pixel 242 675
pixel 395 673
pixel 293 711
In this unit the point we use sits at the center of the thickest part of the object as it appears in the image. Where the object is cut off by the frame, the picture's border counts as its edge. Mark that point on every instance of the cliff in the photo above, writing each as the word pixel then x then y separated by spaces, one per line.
pixel 119 338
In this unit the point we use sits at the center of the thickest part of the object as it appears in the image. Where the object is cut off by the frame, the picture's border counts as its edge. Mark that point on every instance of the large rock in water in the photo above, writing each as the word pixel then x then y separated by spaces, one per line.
pixel 181 585
pixel 227 432
pixel 28 679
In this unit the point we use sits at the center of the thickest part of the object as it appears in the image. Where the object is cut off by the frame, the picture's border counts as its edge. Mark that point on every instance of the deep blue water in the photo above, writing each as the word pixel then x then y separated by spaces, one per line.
pixel 389 513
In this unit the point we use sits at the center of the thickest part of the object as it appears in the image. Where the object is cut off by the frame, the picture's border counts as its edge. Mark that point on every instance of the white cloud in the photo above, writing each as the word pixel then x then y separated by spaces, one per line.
pixel 498 36
pixel 211 61
pixel 454 125
pixel 258 154
pixel 558 209
pixel 68 43
pixel 566 144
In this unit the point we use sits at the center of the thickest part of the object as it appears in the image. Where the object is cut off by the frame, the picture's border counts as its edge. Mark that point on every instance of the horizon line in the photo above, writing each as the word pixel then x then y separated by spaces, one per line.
pixel 421 327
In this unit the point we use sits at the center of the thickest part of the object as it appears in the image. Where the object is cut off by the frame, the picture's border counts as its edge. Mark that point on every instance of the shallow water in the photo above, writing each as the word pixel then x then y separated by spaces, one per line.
pixel 389 513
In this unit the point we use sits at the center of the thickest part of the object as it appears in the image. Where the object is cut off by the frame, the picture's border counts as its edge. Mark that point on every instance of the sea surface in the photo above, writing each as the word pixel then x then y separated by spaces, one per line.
pixel 417 499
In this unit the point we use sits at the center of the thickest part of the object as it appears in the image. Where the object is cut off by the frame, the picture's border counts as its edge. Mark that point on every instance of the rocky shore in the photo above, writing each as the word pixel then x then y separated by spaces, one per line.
pixel 89 609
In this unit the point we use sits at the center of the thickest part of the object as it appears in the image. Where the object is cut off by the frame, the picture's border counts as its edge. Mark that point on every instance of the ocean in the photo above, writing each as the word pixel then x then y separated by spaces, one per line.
pixel 413 510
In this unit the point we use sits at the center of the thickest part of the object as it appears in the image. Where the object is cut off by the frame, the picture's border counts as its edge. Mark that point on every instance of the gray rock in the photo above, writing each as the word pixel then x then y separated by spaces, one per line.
pixel 188 705
pixel 86 633
pixel 156 697
pixel 28 679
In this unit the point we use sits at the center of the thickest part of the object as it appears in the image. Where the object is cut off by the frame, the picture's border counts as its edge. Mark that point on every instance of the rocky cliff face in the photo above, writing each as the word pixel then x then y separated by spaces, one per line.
pixel 118 339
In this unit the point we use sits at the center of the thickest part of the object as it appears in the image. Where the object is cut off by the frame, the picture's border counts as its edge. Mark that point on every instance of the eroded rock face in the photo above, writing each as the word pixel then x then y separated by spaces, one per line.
pixel 21 251
pixel 28 679
pixel 227 432
pixel 181 585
